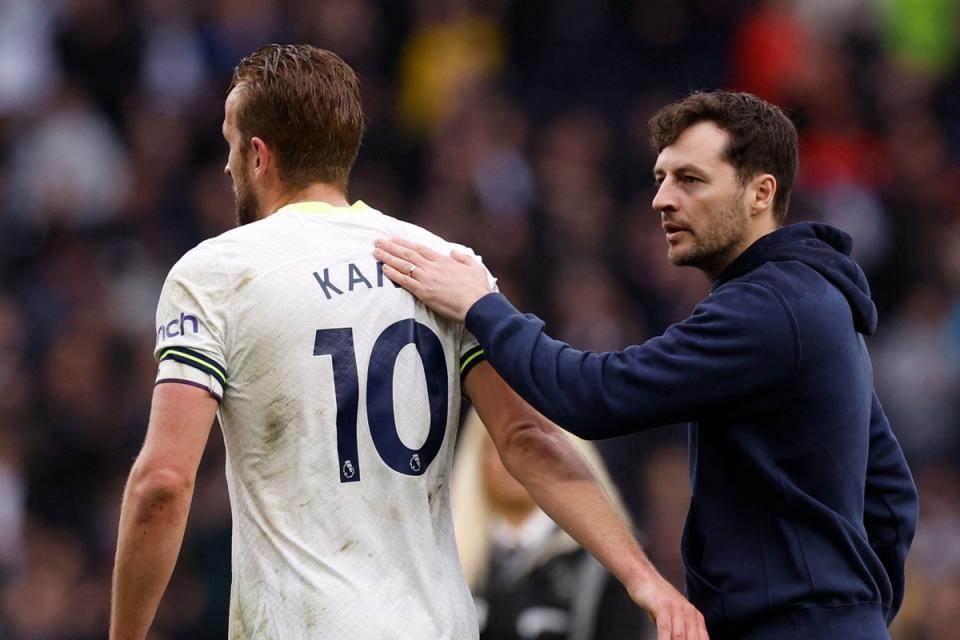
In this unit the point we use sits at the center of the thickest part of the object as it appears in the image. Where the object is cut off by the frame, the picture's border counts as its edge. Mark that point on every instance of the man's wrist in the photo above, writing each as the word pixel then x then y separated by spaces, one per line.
pixel 639 573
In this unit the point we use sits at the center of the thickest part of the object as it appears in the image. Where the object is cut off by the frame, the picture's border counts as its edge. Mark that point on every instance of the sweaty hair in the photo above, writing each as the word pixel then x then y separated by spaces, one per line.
pixel 305 103
pixel 762 138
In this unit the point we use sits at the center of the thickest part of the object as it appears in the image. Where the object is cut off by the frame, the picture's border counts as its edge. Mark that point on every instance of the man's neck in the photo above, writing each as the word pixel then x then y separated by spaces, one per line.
pixel 713 271
pixel 316 192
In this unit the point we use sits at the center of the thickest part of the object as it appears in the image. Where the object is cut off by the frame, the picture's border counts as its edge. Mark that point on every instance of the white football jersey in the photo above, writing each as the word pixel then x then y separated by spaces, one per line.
pixel 339 400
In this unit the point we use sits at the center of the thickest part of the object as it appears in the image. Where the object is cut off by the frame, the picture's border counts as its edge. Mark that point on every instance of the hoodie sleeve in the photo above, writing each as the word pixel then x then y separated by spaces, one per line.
pixel 890 503
pixel 739 340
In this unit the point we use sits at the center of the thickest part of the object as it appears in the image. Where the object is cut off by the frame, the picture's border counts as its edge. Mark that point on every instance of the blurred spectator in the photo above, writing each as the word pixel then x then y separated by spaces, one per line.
pixel 772 45
pixel 70 167
pixel 28 68
pixel 665 487
pixel 173 65
pixel 234 28
pixel 450 50
pixel 16 399
pixel 932 608
pixel 529 578
pixel 916 382
pixel 12 504
pixel 923 34
pixel 591 310
pixel 99 44
pixel 575 193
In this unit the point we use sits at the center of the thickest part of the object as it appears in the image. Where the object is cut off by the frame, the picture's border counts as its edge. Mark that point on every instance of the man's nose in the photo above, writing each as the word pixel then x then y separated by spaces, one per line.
pixel 664 200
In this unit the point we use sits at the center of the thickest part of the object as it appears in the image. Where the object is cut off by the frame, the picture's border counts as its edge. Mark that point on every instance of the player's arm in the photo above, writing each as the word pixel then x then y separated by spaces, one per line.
pixel 155 505
pixel 539 455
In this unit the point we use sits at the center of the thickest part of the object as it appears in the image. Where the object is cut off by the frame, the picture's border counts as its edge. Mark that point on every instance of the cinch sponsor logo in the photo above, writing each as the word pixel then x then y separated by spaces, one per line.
pixel 178 327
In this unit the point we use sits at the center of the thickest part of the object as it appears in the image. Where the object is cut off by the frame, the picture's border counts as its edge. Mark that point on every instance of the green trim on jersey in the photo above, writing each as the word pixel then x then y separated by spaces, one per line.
pixel 470 359
pixel 196 360
pixel 312 206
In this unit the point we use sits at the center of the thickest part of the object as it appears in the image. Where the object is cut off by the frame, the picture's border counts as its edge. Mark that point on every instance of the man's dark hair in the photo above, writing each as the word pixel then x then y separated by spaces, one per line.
pixel 305 103
pixel 762 138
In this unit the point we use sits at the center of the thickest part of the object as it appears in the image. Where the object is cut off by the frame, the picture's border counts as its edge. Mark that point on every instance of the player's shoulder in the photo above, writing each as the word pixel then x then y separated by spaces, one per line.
pixel 198 261
pixel 209 259
pixel 215 254
pixel 415 233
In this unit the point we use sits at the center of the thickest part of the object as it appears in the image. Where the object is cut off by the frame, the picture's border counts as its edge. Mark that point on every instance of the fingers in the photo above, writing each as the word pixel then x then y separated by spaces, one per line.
pixel 410 249
pixel 690 624
pixel 463 258
pixel 676 626
pixel 679 628
pixel 401 265
pixel 664 629
pixel 680 621
pixel 701 626
pixel 403 255
pixel 400 278
pixel 672 624
pixel 663 617
pixel 674 616
pixel 400 258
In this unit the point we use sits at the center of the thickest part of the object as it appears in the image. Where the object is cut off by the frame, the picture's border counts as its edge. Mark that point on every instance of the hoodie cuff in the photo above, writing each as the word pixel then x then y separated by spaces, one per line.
pixel 486 314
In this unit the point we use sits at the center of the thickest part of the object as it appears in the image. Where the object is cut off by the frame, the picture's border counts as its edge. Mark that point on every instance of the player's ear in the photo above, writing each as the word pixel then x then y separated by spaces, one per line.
pixel 262 156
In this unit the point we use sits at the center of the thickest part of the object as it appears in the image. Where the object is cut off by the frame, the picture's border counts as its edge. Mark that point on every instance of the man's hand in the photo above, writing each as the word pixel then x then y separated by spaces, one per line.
pixel 449 285
pixel 675 617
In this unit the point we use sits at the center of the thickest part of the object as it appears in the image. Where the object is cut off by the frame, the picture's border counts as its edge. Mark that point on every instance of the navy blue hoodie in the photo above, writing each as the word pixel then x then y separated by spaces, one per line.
pixel 803 507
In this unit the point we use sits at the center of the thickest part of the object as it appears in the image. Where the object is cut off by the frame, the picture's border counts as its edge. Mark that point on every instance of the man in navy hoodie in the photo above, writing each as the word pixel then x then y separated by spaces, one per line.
pixel 803 507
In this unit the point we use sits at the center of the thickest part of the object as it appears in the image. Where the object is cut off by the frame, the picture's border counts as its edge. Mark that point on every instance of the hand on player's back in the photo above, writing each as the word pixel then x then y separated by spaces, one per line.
pixel 447 284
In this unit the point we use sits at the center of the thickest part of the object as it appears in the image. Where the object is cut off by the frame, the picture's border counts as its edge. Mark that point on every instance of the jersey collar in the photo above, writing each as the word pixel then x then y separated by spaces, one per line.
pixel 323 207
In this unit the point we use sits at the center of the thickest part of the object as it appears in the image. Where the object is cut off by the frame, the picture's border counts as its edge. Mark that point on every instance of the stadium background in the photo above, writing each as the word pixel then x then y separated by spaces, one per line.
pixel 517 127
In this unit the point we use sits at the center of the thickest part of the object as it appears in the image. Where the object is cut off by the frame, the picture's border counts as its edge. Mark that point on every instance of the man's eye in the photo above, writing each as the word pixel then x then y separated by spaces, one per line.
pixel 689 179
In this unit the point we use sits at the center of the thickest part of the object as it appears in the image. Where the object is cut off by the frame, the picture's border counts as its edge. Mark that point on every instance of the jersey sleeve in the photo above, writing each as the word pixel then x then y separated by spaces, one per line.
pixel 191 319
pixel 471 353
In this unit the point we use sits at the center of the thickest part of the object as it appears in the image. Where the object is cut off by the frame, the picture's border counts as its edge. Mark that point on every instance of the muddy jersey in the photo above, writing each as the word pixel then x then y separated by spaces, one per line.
pixel 339 399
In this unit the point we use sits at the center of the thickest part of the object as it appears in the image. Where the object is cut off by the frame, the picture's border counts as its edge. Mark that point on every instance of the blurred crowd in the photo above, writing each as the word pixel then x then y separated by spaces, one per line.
pixel 517 127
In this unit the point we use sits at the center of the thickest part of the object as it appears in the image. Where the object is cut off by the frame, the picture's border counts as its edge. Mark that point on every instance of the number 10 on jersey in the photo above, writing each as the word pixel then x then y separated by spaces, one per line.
pixel 338 343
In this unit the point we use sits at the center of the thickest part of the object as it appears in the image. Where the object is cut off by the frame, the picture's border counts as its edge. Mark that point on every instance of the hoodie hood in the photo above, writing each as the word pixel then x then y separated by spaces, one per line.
pixel 824 249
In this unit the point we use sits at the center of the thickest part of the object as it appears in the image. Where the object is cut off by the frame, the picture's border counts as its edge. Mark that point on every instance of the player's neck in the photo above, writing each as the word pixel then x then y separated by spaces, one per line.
pixel 316 192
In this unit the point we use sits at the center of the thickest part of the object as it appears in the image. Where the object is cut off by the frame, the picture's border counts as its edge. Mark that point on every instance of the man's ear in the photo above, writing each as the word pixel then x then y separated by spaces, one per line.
pixel 263 159
pixel 764 190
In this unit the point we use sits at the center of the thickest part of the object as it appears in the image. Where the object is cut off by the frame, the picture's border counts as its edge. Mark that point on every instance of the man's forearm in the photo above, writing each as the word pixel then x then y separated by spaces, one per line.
pixel 152 524
pixel 558 478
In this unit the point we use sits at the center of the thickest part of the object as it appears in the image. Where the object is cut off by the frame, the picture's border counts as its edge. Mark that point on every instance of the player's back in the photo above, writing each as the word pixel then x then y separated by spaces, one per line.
pixel 339 414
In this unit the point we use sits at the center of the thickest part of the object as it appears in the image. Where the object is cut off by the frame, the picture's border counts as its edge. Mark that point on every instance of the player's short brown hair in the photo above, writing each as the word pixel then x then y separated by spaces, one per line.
pixel 305 103
pixel 762 137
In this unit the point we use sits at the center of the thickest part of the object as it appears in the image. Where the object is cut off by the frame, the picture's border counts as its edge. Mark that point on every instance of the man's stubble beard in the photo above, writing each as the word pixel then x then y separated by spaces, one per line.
pixel 715 244
pixel 245 202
